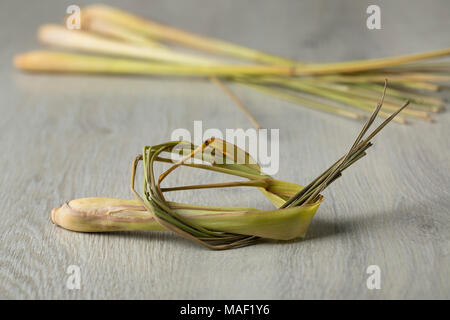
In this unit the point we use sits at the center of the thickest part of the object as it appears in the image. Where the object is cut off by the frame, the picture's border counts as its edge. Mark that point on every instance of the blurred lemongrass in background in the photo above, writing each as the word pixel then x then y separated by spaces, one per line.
pixel 116 42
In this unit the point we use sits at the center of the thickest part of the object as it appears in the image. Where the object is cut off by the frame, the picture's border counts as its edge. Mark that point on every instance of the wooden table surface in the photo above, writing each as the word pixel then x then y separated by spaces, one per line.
pixel 72 136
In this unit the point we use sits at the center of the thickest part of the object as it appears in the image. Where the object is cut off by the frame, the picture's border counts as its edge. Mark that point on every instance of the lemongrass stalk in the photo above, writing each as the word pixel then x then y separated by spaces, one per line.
pixel 113 214
pixel 65 62
pixel 370 93
pixel 372 90
pixel 93 19
pixel 390 104
pixel 108 29
pixel 393 78
pixel 60 36
pixel 170 34
pixel 85 41
pixel 370 64
pixel 213 227
pixel 419 86
pixel 352 96
pixel 356 103
pixel 414 76
pixel 48 61
pixel 306 102
pixel 392 101
pixel 434 66
pixel 153 199
pixel 434 103
pixel 97 44
pixel 415 107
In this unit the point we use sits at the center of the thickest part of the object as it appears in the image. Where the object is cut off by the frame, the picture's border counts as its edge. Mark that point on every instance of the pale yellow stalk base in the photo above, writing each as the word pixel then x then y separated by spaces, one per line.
pixel 113 214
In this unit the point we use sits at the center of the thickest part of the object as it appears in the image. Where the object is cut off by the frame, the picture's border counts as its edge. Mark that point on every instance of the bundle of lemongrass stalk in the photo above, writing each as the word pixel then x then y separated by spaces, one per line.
pixel 213 226
pixel 116 42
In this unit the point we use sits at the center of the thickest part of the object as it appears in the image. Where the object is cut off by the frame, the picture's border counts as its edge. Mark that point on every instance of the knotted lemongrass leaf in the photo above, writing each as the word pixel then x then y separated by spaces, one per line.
pixel 213 227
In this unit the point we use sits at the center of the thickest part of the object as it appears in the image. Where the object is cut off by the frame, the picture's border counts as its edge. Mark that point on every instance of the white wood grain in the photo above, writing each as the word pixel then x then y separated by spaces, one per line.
pixel 65 137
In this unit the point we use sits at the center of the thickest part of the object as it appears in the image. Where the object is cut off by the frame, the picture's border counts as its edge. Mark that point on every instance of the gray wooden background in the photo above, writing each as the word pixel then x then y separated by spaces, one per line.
pixel 65 137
